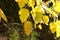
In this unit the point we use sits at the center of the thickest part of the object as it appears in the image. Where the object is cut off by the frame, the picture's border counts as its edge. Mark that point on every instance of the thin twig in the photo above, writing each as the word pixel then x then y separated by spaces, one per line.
pixel 15 23
pixel 7 26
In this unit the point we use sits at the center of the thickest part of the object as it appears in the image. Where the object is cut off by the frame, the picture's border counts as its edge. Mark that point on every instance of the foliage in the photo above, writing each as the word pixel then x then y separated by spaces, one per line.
pixel 33 14
pixel 2 15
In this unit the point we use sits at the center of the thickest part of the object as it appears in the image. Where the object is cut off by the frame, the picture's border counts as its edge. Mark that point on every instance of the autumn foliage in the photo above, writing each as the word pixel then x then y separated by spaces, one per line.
pixel 34 15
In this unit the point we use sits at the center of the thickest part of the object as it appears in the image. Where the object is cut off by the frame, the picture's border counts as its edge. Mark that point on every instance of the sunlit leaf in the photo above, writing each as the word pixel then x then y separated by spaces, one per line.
pixel 52 27
pixel 52 1
pixel 37 14
pixel 39 9
pixel 55 27
pixel 24 14
pixel 22 3
pixel 46 19
pixel 31 3
pixel 57 23
pixel 28 27
pixel 40 27
pixel 38 17
pixel 57 7
pixel 38 2
pixel 2 15
pixel 58 31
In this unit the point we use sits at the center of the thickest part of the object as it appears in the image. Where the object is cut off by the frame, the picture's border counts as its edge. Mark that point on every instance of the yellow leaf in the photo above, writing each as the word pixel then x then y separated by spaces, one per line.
pixel 58 31
pixel 40 27
pixel 57 23
pixel 31 3
pixel 28 27
pixel 57 6
pixel 22 3
pixel 55 27
pixel 39 9
pixel 2 15
pixel 52 27
pixel 37 13
pixel 46 19
pixel 52 1
pixel 38 17
pixel 24 14
pixel 38 2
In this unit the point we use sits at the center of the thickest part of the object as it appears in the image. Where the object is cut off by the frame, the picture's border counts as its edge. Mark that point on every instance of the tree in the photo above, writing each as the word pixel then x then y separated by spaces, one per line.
pixel 30 19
